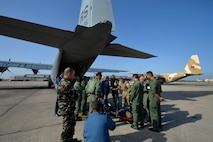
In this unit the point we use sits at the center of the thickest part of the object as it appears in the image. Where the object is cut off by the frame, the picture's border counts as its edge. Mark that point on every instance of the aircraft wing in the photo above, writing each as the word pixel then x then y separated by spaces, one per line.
pixel 34 66
pixel 123 51
pixel 56 37
pixel 104 70
pixel 34 32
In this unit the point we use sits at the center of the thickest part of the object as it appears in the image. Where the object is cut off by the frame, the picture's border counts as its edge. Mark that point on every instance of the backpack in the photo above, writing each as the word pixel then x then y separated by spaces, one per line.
pixel 90 87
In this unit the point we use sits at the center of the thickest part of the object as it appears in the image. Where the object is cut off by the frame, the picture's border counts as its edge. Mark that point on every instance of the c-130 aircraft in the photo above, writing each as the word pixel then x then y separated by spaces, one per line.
pixel 78 49
pixel 192 68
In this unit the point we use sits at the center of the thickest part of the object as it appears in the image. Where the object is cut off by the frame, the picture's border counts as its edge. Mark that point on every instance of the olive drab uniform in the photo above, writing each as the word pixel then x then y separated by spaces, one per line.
pixel 66 99
pixel 126 89
pixel 136 98
pixel 84 97
pixel 96 93
pixel 78 88
pixel 146 98
pixel 154 104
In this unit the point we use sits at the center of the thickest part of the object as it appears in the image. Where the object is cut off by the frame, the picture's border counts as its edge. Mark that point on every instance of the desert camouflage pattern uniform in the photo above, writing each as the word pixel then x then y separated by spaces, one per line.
pixel 126 89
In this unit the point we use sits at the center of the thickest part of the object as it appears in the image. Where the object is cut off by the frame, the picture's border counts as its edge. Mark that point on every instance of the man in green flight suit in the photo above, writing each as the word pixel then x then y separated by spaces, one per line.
pixel 136 98
pixel 66 100
pixel 93 89
pixel 154 92
pixel 145 83
pixel 84 95
pixel 78 88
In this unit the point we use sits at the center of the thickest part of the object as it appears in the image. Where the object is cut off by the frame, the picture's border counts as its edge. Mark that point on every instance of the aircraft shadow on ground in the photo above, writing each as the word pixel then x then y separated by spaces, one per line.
pixel 185 95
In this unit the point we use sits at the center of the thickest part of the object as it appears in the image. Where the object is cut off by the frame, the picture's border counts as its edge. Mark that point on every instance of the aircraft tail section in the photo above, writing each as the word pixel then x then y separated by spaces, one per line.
pixel 193 66
pixel 96 11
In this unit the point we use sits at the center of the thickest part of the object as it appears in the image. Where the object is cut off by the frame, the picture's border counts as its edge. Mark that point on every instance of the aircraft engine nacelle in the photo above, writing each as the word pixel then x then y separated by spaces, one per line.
pixel 3 69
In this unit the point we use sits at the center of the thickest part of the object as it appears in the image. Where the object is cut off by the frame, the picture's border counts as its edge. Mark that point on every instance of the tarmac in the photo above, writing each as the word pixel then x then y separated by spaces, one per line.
pixel 27 115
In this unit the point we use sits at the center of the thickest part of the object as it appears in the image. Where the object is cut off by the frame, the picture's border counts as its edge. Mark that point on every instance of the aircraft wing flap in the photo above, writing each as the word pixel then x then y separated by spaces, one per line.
pixel 123 51
pixel 25 65
pixel 33 32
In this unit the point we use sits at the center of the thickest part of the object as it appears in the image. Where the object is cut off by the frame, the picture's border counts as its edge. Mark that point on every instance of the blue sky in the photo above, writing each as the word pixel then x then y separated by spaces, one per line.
pixel 172 30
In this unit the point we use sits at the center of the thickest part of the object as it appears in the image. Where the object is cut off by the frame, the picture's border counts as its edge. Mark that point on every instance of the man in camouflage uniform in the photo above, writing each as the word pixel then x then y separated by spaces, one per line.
pixel 66 99
pixel 155 98
pixel 125 90
pixel 137 102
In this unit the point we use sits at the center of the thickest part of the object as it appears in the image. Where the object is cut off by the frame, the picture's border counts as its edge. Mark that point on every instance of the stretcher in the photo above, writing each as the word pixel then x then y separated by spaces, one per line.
pixel 125 117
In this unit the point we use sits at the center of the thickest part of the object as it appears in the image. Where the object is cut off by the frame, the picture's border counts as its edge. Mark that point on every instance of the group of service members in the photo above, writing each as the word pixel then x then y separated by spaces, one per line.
pixel 143 95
